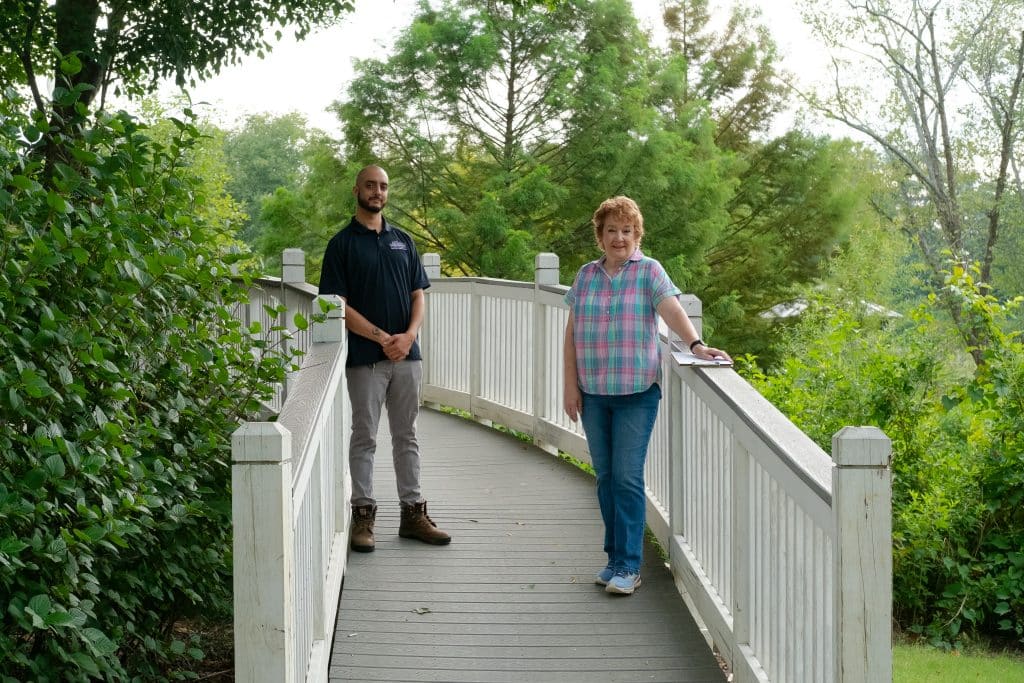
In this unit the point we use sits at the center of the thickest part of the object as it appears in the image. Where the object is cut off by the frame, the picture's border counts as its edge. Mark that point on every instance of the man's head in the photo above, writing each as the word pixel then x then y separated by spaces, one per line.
pixel 371 189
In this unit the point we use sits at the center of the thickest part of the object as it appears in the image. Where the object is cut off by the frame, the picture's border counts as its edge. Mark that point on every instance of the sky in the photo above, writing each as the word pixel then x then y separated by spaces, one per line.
pixel 307 76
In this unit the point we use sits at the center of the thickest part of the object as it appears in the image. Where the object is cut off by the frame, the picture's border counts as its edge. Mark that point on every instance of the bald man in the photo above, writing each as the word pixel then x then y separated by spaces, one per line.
pixel 374 267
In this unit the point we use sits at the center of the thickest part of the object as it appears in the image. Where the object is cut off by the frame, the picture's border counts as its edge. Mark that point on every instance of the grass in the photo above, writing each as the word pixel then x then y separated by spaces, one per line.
pixel 922 664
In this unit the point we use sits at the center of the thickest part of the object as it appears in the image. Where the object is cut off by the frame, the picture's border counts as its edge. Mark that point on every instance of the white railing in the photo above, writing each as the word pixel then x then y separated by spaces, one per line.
pixel 783 553
pixel 290 492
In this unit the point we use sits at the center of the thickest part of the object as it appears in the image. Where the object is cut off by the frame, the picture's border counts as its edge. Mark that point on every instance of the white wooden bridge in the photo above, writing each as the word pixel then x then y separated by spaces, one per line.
pixel 778 554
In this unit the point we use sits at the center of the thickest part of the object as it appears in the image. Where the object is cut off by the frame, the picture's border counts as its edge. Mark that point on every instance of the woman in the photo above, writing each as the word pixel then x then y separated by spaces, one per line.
pixel 612 374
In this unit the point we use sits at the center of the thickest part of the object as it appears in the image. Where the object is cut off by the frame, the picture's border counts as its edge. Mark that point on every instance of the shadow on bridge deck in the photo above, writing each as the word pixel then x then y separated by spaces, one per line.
pixel 513 597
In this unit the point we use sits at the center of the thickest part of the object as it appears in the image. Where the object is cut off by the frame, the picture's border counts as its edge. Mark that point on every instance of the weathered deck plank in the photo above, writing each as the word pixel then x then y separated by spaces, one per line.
pixel 512 598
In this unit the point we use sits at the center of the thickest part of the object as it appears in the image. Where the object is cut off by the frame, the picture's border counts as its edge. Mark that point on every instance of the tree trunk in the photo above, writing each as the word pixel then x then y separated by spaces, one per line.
pixel 76 33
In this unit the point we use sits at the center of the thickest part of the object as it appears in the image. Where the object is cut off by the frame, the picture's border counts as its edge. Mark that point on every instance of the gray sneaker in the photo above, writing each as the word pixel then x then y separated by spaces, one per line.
pixel 604 576
pixel 623 583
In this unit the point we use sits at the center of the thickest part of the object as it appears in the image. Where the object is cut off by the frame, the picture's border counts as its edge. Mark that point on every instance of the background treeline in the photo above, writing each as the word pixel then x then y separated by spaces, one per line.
pixel 871 280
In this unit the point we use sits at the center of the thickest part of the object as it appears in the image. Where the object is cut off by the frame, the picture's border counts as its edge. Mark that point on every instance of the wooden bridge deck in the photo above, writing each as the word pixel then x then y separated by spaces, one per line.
pixel 513 597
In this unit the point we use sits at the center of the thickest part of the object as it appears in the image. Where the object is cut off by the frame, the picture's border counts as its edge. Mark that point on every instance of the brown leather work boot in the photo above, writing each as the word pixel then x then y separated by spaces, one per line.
pixel 362 528
pixel 417 524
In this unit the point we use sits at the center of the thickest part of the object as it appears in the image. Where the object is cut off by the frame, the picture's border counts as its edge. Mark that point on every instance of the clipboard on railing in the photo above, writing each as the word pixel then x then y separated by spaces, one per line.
pixel 687 358
pixel 682 355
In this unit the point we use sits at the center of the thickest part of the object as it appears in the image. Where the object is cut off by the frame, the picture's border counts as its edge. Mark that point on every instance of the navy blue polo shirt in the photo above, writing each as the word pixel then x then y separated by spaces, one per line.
pixel 376 274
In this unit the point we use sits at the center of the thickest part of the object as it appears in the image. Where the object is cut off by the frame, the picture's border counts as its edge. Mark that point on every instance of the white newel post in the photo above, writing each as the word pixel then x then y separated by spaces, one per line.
pixel 261 506
pixel 545 269
pixel 545 272
pixel 694 308
pixel 431 264
pixel 862 511
pixel 332 329
pixel 293 271
pixel 293 266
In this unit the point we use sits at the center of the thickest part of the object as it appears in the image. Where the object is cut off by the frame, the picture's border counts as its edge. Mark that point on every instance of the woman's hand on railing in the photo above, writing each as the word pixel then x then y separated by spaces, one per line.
pixel 709 352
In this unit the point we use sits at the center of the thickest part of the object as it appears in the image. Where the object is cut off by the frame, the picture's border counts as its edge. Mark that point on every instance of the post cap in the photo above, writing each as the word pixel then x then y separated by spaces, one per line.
pixel 861 447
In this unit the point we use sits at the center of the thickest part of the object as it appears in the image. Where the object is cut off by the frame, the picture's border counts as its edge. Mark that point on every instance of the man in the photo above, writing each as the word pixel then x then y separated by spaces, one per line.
pixel 374 267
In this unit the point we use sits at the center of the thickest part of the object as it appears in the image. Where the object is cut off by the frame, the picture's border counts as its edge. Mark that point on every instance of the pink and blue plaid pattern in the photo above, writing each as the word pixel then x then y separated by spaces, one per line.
pixel 615 325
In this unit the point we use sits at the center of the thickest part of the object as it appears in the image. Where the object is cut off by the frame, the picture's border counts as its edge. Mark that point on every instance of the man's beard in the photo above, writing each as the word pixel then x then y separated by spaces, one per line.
pixel 366 206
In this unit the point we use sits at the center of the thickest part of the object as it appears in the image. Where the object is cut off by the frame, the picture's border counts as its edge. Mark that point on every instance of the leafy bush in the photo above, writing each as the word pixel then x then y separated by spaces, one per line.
pixel 958 452
pixel 123 375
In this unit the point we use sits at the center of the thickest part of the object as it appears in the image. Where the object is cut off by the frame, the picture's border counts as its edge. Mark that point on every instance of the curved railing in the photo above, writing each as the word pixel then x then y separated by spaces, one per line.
pixel 290 492
pixel 782 552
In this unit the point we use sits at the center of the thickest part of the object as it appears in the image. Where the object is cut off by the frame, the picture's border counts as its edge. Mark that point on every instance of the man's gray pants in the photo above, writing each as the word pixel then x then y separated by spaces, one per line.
pixel 396 384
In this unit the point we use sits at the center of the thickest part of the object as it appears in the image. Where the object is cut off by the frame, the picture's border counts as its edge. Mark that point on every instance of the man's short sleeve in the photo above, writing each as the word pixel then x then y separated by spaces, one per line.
pixel 417 273
pixel 332 279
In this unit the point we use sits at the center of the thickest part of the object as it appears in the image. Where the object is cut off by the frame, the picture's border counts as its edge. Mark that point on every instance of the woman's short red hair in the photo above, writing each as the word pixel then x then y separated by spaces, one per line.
pixel 623 208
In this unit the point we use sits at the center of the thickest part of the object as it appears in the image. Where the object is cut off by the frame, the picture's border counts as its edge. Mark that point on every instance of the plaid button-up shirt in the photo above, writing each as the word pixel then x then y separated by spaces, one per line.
pixel 615 325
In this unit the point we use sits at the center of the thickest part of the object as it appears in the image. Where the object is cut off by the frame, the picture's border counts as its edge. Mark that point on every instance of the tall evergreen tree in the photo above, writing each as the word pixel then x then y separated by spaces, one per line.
pixel 793 200
pixel 505 124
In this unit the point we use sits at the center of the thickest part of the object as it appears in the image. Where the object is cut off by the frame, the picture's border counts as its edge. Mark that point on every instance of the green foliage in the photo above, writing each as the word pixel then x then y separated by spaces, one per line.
pixel 468 116
pixel 504 128
pixel 266 153
pixel 795 196
pixel 124 375
pixel 958 453
pixel 734 68
pixel 209 164
pixel 306 215
pixel 795 205
pixel 136 43
pixel 951 131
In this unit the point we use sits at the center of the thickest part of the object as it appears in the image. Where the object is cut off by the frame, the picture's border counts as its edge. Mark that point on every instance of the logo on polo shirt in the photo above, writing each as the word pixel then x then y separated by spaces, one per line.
pixel 398 245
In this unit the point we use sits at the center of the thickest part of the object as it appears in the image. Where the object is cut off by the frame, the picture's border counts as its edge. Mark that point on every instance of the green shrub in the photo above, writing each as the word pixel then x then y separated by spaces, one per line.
pixel 122 377
pixel 958 452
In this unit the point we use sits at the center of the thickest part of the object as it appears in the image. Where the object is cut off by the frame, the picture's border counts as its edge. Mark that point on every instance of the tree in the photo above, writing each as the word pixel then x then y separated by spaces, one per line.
pixel 794 201
pixel 798 199
pixel 958 455
pixel 136 43
pixel 951 119
pixel 307 214
pixel 265 154
pixel 124 371
pixel 735 70
pixel 124 376
pixel 207 161
pixel 503 125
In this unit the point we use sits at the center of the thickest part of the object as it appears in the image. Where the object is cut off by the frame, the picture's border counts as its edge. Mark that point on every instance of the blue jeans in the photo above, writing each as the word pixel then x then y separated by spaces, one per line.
pixel 618 430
